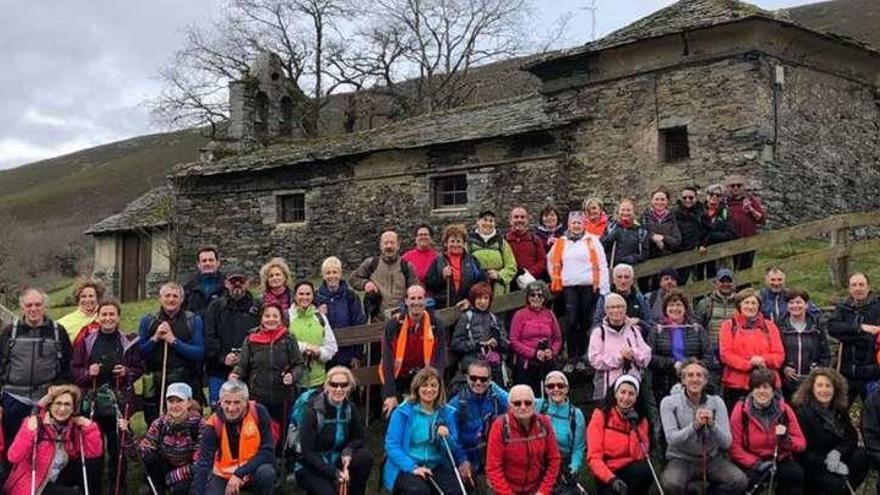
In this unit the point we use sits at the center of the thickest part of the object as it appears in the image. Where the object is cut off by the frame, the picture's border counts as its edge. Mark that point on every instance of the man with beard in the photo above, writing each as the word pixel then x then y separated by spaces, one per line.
pixel 698 434
pixel 384 278
pixel 413 340
pixel 227 322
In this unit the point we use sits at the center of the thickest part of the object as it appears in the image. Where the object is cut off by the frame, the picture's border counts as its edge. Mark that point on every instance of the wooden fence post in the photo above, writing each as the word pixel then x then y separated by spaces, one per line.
pixel 839 264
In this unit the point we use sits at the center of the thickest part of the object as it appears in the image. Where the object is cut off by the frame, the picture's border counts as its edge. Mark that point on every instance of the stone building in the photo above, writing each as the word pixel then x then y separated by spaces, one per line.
pixel 690 94
pixel 132 249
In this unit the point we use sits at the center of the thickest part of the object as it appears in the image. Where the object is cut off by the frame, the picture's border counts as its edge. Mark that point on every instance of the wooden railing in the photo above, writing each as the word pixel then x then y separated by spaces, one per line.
pixel 840 250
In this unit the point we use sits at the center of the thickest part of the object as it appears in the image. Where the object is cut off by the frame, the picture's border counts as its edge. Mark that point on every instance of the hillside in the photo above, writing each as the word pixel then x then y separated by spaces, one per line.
pixel 46 206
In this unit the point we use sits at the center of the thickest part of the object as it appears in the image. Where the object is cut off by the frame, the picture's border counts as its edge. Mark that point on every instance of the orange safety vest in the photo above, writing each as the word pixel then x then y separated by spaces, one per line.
pixel 249 439
pixel 400 348
pixel 556 263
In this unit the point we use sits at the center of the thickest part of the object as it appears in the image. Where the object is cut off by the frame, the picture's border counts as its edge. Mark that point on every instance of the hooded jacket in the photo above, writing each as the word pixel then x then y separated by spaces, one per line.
pixel 604 355
pixel 265 355
pixel 739 342
pixel 572 443
pixel 522 461
pixel 398 440
pixel 667 227
pixel 625 244
pixel 472 329
pixel 21 450
pixel 494 254
pixel 473 415
pixel 613 443
pixel 858 361
pixel 685 442
pixel 130 359
pixel 757 442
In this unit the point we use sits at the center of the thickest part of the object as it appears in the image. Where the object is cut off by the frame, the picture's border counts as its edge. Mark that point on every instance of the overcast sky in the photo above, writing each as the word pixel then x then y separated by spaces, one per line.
pixel 77 72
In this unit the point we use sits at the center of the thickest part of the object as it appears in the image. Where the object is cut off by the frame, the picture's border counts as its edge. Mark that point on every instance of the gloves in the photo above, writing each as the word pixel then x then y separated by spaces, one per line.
pixel 834 465
pixel 840 469
pixel 762 467
pixel 619 486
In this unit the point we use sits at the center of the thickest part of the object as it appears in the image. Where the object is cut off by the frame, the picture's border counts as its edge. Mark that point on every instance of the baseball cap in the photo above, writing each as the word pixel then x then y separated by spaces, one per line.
pixel 724 273
pixel 235 271
pixel 180 390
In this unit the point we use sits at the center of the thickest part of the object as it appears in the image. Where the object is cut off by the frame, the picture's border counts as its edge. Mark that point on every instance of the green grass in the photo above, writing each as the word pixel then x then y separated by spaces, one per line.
pixel 131 313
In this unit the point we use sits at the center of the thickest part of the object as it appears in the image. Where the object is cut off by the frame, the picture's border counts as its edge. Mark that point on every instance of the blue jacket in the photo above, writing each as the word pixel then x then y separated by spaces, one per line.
pixel 559 418
pixel 399 434
pixel 344 309
pixel 775 307
pixel 473 415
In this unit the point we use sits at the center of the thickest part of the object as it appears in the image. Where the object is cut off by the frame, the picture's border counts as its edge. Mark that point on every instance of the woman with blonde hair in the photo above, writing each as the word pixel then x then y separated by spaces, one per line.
pixel 57 441
pixel 275 283
pixel 332 439
pixel 336 300
pixel 422 436
pixel 596 219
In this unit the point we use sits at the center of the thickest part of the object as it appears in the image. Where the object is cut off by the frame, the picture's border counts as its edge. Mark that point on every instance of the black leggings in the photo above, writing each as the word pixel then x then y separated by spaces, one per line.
pixel 107 425
pixel 70 480
pixel 315 483
pixel 580 301
pixel 636 475
pixel 789 478
pixel 410 484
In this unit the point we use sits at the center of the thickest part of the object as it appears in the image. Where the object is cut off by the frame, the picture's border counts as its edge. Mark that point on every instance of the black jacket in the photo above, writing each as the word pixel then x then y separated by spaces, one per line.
pixel 471 273
pixel 662 364
pixel 667 227
pixel 859 360
pixel 227 322
pixel 807 350
pixel 825 430
pixel 689 224
pixel 716 229
pixel 196 301
pixel 627 245
pixel 871 426
pixel 317 443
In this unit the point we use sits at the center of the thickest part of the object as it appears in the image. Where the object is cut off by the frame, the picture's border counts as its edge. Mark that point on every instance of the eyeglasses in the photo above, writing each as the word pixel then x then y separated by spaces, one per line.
pixel 522 403
pixel 338 385
pixel 735 185
pixel 554 386
pixel 716 194
pixel 688 198
pixel 536 294
pixel 481 379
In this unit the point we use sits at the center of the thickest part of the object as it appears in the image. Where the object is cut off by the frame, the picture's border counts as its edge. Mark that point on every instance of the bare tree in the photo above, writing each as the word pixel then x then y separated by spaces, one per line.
pixel 304 33
pixel 420 52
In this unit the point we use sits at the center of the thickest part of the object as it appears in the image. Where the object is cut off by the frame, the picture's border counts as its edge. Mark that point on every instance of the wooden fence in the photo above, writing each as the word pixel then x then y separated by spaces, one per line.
pixel 840 250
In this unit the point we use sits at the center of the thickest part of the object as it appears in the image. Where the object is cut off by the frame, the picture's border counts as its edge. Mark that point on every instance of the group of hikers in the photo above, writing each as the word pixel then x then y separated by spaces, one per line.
pixel 729 395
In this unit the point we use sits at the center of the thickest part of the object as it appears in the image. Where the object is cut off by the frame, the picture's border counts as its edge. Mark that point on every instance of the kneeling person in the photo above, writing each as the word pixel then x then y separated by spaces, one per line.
pixel 238 440
pixel 332 440
pixel 696 425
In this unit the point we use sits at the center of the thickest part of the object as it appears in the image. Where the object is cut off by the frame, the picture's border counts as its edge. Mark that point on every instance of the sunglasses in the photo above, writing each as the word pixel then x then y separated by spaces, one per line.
pixel 736 185
pixel 716 194
pixel 536 294
pixel 554 386
pixel 522 403
pixel 688 198
pixel 481 379
pixel 338 385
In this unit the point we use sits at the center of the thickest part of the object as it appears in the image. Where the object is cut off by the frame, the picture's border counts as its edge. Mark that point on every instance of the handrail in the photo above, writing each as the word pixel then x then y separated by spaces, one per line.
pixel 838 254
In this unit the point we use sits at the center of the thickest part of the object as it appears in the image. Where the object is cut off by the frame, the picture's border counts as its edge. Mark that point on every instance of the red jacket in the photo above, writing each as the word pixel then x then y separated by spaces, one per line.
pixel 612 443
pixel 762 441
pixel 742 215
pixel 511 464
pixel 21 450
pixel 529 251
pixel 737 348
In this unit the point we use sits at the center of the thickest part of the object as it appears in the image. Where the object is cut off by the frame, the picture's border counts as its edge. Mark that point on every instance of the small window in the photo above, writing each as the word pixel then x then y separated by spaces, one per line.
pixel 450 191
pixel 674 144
pixel 292 208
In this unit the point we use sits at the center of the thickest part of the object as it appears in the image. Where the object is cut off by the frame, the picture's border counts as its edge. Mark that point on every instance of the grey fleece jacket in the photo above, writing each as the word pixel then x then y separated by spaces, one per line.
pixel 677 414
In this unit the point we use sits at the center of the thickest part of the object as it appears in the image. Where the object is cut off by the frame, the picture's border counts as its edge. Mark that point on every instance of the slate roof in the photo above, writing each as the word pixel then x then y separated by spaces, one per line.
pixel 688 15
pixel 857 19
pixel 143 213
pixel 500 118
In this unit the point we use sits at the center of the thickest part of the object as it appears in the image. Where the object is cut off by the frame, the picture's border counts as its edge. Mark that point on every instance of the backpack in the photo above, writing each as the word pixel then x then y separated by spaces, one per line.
pixel 572 424
pixel 498 245
pixel 14 338
pixel 505 431
pixel 298 415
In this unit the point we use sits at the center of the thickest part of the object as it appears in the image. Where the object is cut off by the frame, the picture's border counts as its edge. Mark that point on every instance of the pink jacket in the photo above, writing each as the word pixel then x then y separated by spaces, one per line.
pixel 529 327
pixel 604 354
pixel 21 450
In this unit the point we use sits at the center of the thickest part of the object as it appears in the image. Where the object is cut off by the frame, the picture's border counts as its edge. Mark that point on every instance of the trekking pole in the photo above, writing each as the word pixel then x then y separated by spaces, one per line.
pixel 849 486
pixel 120 458
pixel 285 425
pixel 448 292
pixel 775 459
pixel 36 414
pixel 94 395
pixel 164 375
pixel 82 455
pixel 839 355
pixel 435 485
pixel 648 458
pixel 452 461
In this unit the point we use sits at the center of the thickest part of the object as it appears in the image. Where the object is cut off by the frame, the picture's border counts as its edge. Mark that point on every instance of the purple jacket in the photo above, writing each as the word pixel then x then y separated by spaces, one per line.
pixel 529 327
pixel 131 359
pixel 604 353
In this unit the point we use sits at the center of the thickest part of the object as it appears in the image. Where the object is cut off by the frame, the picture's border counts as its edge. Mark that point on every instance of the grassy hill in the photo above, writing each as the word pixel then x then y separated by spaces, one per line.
pixel 48 205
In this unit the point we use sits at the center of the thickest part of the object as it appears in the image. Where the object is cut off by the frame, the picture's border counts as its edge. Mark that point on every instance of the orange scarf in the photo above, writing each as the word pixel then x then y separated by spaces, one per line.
pixel 556 262
pixel 400 347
